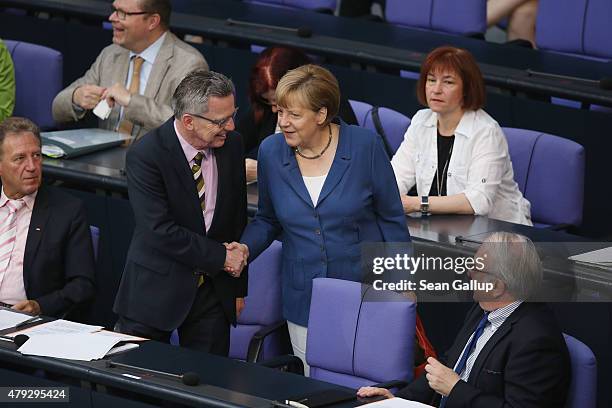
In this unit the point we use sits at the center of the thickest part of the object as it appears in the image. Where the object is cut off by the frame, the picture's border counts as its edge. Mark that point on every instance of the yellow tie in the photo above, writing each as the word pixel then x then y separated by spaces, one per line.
pixel 126 126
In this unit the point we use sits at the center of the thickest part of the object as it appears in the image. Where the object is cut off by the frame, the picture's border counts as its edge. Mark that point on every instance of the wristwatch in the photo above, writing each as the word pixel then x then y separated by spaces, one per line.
pixel 425 205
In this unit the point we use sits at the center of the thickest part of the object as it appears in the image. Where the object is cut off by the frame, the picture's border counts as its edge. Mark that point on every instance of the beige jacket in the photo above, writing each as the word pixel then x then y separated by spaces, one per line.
pixel 173 62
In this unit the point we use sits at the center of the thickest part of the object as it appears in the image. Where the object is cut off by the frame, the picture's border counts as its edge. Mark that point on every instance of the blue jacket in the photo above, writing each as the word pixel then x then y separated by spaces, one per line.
pixel 359 203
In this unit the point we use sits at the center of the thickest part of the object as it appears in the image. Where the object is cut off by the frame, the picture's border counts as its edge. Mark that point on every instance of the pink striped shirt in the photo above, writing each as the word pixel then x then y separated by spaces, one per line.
pixel 12 288
pixel 209 172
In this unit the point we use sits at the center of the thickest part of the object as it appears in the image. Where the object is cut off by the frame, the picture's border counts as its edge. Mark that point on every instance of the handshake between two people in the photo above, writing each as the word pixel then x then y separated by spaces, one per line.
pixel 236 257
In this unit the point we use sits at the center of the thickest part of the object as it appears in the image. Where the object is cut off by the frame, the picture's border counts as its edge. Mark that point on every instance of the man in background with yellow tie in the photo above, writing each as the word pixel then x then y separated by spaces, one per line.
pixel 137 74
pixel 46 255
pixel 187 187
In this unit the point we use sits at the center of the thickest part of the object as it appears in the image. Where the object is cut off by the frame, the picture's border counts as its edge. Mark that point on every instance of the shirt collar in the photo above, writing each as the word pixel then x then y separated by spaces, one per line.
pixel 29 199
pixel 499 316
pixel 464 128
pixel 188 149
pixel 150 53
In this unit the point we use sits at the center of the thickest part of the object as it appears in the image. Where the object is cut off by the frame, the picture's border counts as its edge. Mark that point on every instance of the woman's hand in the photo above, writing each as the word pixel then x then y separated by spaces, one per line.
pixel 411 204
pixel 367 392
pixel 251 170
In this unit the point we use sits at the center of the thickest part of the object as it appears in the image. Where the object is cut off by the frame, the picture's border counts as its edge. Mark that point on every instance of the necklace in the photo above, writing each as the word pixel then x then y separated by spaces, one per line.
pixel 439 183
pixel 297 149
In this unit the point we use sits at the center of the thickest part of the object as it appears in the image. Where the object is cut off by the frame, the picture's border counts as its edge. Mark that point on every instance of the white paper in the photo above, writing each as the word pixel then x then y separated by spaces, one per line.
pixel 120 336
pixel 74 346
pixel 58 327
pixel 121 349
pixel 63 140
pixel 102 110
pixel 396 403
pixel 9 319
pixel 600 257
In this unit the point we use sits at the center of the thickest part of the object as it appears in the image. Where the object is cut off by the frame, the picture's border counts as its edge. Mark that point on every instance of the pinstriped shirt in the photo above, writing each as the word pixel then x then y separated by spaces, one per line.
pixel 496 318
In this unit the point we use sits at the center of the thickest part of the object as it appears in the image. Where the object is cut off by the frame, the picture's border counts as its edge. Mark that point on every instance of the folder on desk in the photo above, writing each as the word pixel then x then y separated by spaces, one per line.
pixel 77 142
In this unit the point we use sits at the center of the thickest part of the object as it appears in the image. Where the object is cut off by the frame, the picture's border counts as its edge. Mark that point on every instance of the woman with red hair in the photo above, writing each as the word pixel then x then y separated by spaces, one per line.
pixel 261 120
pixel 454 152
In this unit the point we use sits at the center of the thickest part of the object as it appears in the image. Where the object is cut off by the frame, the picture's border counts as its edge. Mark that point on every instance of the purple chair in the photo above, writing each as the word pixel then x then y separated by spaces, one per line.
pixel 576 27
pixel 35 87
pixel 465 17
pixel 393 126
pixel 362 111
pixel 327 6
pixel 358 336
pixel 549 171
pixel 95 240
pixel 261 329
pixel 583 387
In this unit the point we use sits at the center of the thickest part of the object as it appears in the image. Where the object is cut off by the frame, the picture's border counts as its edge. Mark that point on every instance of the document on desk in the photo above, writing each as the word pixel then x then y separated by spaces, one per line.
pixel 600 257
pixel 396 403
pixel 57 327
pixel 9 319
pixel 73 346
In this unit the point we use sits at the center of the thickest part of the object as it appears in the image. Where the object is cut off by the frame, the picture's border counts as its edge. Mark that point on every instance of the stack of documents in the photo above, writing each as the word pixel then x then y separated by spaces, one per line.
pixel 70 340
pixel 601 258
pixel 11 320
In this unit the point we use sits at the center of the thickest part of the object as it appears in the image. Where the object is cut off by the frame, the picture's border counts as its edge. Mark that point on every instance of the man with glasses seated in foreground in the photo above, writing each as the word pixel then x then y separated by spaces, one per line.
pixel 510 352
pixel 187 187
pixel 137 74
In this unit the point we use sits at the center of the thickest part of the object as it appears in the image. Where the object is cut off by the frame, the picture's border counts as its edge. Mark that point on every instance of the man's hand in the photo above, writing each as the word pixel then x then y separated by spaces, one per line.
pixel 28 306
pixel 367 392
pixel 117 94
pixel 239 306
pixel 236 258
pixel 87 96
pixel 251 170
pixel 441 378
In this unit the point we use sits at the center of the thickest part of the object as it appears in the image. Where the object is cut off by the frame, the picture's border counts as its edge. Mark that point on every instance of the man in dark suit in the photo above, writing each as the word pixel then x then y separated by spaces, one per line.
pixel 46 255
pixel 509 353
pixel 186 182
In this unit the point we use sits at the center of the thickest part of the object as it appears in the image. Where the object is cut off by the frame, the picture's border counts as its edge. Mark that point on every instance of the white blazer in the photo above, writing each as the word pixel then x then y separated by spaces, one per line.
pixel 479 167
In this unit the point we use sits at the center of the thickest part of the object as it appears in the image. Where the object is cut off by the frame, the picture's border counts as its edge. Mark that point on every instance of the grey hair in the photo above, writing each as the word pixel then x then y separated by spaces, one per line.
pixel 194 91
pixel 514 260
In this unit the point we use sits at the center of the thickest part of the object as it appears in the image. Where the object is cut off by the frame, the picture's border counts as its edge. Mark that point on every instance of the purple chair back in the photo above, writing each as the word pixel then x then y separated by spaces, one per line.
pixel 579 27
pixel 583 387
pixel 319 5
pixel 393 123
pixel 95 240
pixel 358 336
pixel 362 111
pixel 35 87
pixel 262 306
pixel 451 16
pixel 548 166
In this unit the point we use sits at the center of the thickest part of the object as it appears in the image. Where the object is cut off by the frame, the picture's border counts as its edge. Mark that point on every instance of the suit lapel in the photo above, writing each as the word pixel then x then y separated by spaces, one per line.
pixel 38 222
pixel 503 330
pixel 339 166
pixel 160 67
pixel 290 172
pixel 180 165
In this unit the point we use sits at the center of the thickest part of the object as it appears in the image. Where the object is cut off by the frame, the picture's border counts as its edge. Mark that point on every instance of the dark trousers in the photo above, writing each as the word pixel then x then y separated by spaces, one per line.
pixel 206 327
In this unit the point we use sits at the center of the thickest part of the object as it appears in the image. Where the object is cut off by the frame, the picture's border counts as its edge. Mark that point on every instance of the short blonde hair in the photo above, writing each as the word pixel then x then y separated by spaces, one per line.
pixel 312 86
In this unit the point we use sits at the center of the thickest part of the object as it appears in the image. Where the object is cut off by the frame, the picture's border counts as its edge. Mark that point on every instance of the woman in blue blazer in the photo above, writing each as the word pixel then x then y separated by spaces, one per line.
pixel 326 187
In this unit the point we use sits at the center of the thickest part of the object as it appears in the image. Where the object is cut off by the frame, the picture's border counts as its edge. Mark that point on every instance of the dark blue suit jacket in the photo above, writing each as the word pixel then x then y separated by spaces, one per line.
pixel 359 203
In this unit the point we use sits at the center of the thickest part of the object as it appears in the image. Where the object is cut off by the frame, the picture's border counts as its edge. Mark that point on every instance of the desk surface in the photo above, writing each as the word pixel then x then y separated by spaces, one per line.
pixel 223 382
pixel 367 42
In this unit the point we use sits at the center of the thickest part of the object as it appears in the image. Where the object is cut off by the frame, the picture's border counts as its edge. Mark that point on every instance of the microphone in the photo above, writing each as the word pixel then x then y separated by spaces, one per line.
pixel 189 378
pixel 19 339
pixel 304 31
pixel 603 83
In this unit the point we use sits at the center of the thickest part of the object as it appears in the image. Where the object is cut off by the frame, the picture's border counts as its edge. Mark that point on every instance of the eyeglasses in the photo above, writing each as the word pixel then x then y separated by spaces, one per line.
pixel 122 15
pixel 219 122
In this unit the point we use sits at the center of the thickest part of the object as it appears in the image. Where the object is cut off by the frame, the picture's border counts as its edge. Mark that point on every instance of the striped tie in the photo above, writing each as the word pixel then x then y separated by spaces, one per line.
pixel 8 232
pixel 196 169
